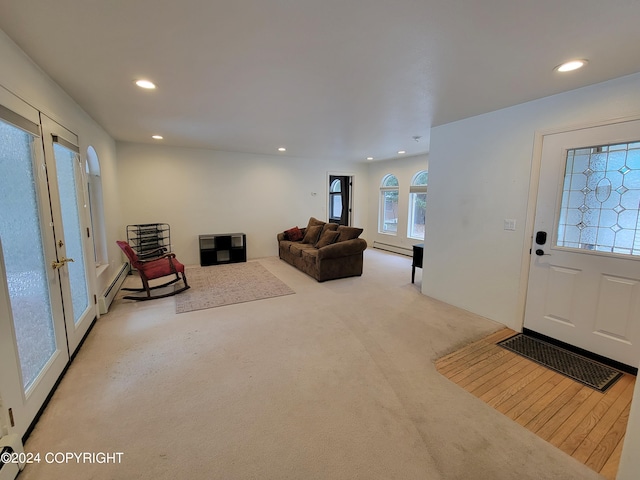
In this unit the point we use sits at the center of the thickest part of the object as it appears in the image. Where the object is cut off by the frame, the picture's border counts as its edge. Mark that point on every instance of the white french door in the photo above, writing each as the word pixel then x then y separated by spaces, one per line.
pixel 584 278
pixel 69 201
pixel 44 305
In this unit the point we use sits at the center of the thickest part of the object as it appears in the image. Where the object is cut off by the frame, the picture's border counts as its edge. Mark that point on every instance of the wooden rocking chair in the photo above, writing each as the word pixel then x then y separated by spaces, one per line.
pixel 148 270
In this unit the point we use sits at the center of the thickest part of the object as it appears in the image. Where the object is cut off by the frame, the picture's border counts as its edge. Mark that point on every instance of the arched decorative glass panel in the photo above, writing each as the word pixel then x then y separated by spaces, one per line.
pixel 417 205
pixel 388 213
pixel 390 181
pixel 335 200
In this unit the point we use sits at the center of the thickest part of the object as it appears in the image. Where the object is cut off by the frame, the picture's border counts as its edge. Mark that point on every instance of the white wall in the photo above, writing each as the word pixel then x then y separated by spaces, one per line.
pixel 24 79
pixel 200 191
pixel 479 175
pixel 404 169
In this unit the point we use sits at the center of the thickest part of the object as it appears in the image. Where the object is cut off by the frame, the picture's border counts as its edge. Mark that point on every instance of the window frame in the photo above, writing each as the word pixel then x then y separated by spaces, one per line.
pixel 416 189
pixel 96 208
pixel 386 188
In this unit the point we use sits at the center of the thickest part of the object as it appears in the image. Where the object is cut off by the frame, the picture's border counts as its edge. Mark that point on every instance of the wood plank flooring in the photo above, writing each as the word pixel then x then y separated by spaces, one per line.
pixel 582 422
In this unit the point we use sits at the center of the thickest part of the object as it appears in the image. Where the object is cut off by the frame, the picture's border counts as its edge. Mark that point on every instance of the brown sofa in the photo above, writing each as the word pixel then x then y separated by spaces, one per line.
pixel 326 251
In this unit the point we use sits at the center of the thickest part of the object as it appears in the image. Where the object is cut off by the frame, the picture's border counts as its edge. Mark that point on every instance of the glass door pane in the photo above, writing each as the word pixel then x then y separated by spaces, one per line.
pixel 600 207
pixel 26 268
pixel 67 168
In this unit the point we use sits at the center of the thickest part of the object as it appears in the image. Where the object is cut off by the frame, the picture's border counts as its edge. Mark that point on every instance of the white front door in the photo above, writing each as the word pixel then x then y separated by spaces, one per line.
pixel 584 279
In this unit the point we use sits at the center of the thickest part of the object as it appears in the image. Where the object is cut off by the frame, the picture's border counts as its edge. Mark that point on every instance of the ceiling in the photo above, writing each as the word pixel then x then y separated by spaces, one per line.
pixel 343 79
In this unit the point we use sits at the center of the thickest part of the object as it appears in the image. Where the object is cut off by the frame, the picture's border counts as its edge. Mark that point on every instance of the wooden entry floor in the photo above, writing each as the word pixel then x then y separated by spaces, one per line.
pixel 582 422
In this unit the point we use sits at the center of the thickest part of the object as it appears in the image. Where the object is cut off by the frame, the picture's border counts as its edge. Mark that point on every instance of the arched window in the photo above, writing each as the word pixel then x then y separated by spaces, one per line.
pixel 388 214
pixel 96 207
pixel 417 205
pixel 335 200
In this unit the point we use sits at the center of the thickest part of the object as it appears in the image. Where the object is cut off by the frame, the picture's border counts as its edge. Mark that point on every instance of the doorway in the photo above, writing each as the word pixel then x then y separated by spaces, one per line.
pixel 584 272
pixel 340 199
pixel 47 297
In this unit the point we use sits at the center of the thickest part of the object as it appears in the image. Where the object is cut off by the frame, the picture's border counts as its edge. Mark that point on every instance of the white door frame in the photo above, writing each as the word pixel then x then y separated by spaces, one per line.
pixel 534 182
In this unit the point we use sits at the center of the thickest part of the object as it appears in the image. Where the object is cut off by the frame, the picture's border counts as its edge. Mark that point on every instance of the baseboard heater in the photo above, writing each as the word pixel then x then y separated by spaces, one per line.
pixel 393 248
pixel 109 294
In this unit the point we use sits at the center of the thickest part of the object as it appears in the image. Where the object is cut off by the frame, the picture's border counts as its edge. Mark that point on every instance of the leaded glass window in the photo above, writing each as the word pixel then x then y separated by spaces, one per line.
pixel 601 199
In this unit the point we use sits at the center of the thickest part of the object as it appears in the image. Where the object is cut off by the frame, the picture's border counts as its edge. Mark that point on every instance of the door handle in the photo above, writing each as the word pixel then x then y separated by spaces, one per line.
pixel 540 252
pixel 55 265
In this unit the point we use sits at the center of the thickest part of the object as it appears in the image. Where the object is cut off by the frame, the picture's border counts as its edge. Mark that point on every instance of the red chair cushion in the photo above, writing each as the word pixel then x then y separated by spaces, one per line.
pixel 128 251
pixel 160 268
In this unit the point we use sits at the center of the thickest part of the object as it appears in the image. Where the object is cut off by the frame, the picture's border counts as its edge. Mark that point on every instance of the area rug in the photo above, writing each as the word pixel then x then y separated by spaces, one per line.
pixel 227 284
pixel 572 365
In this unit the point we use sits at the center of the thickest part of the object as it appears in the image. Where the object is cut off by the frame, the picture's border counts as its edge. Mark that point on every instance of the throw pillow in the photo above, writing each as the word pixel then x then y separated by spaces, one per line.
pixel 348 233
pixel 327 238
pixel 312 234
pixel 293 234
pixel 314 221
pixel 329 226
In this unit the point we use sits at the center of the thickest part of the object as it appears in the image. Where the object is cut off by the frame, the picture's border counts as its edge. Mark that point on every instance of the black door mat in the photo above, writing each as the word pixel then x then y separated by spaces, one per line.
pixel 579 368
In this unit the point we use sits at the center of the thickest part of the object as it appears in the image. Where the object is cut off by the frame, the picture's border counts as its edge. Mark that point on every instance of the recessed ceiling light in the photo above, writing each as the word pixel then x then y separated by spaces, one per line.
pixel 145 84
pixel 157 137
pixel 572 65
pixel 400 152
pixel 369 158
pixel 282 149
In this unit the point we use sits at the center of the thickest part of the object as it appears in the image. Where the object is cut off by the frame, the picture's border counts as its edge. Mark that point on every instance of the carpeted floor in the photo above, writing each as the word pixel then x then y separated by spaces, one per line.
pixel 219 285
pixel 336 382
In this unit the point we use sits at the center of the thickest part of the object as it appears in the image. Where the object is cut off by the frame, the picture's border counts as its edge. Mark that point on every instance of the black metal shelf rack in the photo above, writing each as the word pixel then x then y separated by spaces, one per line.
pixel 149 240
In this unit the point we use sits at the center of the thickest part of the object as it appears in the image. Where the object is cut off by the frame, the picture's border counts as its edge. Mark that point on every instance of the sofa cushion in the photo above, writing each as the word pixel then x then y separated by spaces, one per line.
pixel 348 233
pixel 293 234
pixel 327 238
pixel 310 255
pixel 286 245
pixel 312 234
pixel 314 221
pixel 297 248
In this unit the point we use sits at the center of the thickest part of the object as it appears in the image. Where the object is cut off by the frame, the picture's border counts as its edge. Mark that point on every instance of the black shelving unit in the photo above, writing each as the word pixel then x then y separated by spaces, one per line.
pixel 149 240
pixel 219 248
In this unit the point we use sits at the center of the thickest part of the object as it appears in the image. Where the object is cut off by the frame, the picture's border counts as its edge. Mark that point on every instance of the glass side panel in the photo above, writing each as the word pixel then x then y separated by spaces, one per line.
pixel 601 199
pixel 336 206
pixel 67 167
pixel 24 254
